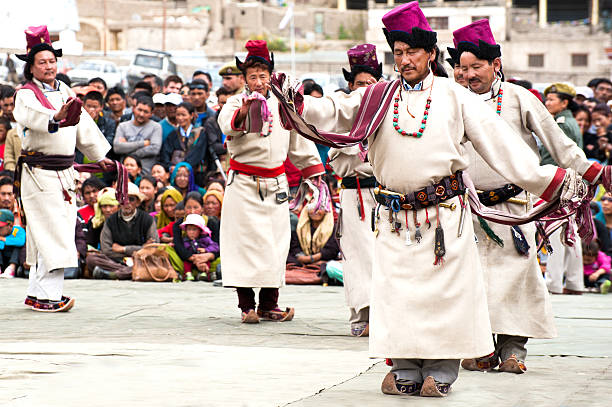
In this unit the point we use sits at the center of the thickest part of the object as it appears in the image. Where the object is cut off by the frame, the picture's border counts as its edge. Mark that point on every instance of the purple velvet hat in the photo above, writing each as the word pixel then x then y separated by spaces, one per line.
pixel 37 39
pixel 478 39
pixel 258 49
pixel 408 24
pixel 362 58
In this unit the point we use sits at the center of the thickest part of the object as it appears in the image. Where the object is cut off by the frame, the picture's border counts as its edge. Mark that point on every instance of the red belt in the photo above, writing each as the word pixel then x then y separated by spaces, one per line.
pixel 258 171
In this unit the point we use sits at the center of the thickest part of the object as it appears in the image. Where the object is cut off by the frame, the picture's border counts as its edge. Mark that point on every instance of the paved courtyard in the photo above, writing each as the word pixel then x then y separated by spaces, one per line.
pixel 146 344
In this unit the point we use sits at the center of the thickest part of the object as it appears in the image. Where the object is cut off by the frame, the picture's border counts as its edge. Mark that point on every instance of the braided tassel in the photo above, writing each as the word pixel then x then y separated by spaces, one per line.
pixel 487 229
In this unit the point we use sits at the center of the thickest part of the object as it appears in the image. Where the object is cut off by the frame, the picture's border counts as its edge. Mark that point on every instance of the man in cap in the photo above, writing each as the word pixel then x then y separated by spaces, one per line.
pixel 233 79
pixel 255 229
pixel 53 124
pixel 564 261
pixel 519 304
pixel 357 200
pixel 168 124
pixel 428 306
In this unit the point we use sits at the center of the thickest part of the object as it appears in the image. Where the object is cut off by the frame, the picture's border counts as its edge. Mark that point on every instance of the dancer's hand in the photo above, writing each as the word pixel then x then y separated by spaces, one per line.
pixel 107 164
pixel 243 112
pixel 63 112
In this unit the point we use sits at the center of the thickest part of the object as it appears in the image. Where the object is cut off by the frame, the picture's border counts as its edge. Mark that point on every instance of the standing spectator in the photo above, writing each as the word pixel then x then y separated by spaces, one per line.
pixel 161 175
pixel 186 143
pixel 232 79
pixel 159 100
pixel 155 82
pixel 89 190
pixel 185 92
pixel 198 94
pixel 93 102
pixel 140 137
pixel 213 202
pixel 169 123
pixel 99 85
pixel 202 76
pixel 116 101
pixel 603 91
pixel 222 96
pixel 173 84
pixel 12 239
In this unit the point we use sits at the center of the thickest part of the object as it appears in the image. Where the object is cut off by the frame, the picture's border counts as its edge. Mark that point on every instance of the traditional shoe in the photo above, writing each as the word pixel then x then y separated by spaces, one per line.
pixel 360 329
pixel 399 387
pixel 64 305
pixel 250 317
pixel 484 364
pixel 30 301
pixel 512 365
pixel 605 287
pixel 569 291
pixel 432 388
pixel 276 314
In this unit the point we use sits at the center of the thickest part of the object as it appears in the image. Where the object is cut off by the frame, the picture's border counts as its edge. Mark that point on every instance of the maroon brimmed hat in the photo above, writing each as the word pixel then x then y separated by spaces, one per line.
pixel 362 58
pixel 258 50
pixel 478 39
pixel 408 24
pixel 37 39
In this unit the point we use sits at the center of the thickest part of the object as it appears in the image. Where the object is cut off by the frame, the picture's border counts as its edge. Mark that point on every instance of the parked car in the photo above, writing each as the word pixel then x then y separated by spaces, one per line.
pixel 90 69
pixel 147 61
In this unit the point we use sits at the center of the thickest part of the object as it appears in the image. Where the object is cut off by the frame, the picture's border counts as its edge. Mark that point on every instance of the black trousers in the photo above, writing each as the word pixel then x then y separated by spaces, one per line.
pixel 268 298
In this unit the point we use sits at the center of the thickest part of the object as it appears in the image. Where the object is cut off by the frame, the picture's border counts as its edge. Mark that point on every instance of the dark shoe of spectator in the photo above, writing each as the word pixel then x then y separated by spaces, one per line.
pixel 571 292
pixel 64 305
pixel 276 314
pixel 432 388
pixel 99 273
pixel 398 387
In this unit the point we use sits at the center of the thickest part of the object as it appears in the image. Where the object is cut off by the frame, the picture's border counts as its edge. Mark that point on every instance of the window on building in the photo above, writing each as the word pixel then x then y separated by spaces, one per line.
pixel 318 25
pixel 580 59
pixel 476 18
pixel 535 60
pixel 438 23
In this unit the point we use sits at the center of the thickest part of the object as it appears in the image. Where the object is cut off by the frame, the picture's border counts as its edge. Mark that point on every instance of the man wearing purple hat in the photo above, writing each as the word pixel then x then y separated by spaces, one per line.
pixel 453 61
pixel 428 307
pixel 357 200
pixel 519 304
pixel 52 124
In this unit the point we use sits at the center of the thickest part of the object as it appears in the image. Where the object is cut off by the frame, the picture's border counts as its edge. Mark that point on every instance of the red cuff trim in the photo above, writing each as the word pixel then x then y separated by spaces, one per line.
pixel 316 169
pixel 233 122
pixel 593 171
pixel 554 185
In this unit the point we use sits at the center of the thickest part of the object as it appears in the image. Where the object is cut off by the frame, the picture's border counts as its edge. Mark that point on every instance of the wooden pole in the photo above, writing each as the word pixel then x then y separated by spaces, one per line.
pixel 105 34
pixel 164 27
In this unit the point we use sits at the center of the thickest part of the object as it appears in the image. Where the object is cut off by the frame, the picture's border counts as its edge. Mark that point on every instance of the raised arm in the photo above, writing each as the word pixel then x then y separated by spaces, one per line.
pixel 335 112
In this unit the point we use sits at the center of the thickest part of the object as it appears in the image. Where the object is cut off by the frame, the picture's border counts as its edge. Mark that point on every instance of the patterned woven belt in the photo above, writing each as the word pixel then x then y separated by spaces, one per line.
pixel 447 188
pixel 499 195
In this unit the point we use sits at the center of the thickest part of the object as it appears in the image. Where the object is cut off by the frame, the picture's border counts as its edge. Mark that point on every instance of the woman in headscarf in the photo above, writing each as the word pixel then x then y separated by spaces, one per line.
pixel 183 179
pixel 213 202
pixel 169 199
pixel 106 205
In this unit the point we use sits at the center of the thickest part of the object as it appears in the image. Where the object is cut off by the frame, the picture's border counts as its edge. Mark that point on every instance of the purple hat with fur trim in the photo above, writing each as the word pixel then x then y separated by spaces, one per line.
pixel 362 58
pixel 37 39
pixel 478 39
pixel 408 24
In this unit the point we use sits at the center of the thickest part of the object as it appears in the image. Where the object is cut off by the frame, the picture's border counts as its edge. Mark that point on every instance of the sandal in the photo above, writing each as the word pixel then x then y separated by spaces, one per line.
pixel 484 364
pixel 512 365
pixel 276 314
pixel 399 387
pixel 64 305
pixel 432 388
pixel 250 317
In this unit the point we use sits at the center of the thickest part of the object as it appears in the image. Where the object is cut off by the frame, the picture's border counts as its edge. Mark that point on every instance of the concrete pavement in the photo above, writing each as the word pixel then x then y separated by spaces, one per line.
pixel 147 344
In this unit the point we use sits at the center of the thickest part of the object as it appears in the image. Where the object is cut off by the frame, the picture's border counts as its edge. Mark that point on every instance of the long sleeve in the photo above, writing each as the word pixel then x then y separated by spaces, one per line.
pixel 196 155
pixel 125 147
pixel 211 245
pixel 89 139
pixel 177 239
pixel 304 155
pixel 11 150
pixel 604 261
pixel 335 112
pixel 167 149
pixel 106 244
pixel 152 150
pixel 331 249
pixel 228 114
pixel 30 113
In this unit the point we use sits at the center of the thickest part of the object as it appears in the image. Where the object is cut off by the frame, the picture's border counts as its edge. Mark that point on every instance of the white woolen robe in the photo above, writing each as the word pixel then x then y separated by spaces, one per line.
pixel 519 303
pixel 357 241
pixel 51 220
pixel 255 234
pixel 419 310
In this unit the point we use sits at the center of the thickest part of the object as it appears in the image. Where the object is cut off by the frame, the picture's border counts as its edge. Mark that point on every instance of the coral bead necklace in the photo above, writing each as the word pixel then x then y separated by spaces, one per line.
pixel 269 129
pixel 418 133
pixel 499 101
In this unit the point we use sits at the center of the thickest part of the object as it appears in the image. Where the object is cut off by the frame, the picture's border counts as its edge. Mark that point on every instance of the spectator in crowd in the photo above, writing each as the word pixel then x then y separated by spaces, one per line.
pixel 133 166
pixel 7 199
pixel 559 103
pixel 603 91
pixel 140 137
pixel 116 101
pixel 313 240
pixel 601 118
pixel 168 200
pixel 313 89
pixel 590 104
pixel 105 206
pixel 187 142
pixel 159 110
pixel 593 148
pixel 183 179
pixel 161 175
pixel 214 135
pixel 12 239
pixel 596 267
pixel 89 191
pixel 213 202
pixel 155 82
pixel 198 95
pixel 93 102
pixel 173 84
pixel 99 85
pixel 169 123
pixel 185 92
pixel 202 76
pixel 165 234
pixel 232 79
pixel 593 83
pixel 215 185
pixel 5 127
pixel 606 209
pixel 123 233
pixel 222 96
pixel 148 189
pixel 12 143
pixel 7 104
pixel 64 78
pixel 205 263
pixel 196 239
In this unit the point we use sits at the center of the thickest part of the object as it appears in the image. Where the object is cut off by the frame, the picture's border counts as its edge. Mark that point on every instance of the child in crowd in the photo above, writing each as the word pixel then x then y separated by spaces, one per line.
pixel 12 238
pixel 196 238
pixel 596 267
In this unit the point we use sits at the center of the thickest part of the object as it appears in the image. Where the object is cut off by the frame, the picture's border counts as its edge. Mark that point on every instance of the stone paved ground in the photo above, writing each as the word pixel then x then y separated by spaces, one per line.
pixel 140 344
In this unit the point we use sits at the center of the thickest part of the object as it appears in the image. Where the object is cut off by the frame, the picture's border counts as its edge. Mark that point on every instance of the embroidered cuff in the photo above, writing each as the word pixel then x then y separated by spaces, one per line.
pixel 554 185
pixel 592 174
